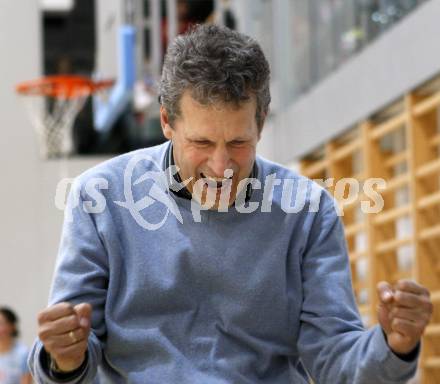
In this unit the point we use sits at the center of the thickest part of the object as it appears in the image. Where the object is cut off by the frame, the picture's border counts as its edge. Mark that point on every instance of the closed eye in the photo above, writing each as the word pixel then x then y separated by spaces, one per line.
pixel 238 143
pixel 202 142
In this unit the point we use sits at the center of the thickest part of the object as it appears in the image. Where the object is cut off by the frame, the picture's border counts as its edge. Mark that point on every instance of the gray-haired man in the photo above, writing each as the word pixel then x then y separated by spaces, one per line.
pixel 250 293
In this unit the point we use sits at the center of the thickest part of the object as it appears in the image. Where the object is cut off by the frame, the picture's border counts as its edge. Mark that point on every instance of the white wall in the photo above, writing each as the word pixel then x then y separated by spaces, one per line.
pixel 19 267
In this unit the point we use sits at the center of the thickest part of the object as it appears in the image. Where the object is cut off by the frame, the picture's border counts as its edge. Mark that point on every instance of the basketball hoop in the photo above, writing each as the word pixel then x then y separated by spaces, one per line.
pixel 66 96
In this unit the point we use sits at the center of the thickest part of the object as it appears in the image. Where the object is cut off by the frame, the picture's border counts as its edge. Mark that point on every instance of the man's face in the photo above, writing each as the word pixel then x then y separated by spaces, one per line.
pixel 208 140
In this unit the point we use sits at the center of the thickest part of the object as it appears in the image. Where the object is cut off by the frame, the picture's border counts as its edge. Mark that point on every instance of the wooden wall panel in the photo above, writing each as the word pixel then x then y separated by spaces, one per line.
pixel 400 144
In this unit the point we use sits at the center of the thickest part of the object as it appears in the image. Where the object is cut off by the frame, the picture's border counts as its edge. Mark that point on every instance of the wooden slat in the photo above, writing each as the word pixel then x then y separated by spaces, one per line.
pixel 428 169
pixel 364 309
pixel 402 275
pixel 396 182
pixel 396 159
pixel 435 296
pixel 355 256
pixel 315 168
pixel 391 245
pixel 432 363
pixel 359 176
pixel 359 285
pixel 353 229
pixel 432 330
pixel 427 105
pixel 429 201
pixel 430 233
pixel 389 126
pixel 392 214
pixel 435 141
pixel 346 150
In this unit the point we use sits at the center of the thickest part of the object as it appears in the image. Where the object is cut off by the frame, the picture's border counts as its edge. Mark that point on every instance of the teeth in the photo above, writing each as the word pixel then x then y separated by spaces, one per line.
pixel 215 182
pixel 215 179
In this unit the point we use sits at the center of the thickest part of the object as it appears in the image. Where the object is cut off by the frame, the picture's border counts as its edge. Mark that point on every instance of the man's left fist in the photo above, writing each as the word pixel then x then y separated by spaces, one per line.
pixel 404 311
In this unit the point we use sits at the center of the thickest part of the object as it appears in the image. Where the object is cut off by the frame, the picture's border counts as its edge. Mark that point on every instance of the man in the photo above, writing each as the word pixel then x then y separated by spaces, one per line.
pixel 195 273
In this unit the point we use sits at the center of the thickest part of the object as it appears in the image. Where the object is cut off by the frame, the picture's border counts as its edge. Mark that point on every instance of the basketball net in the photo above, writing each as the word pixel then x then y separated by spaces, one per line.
pixel 53 103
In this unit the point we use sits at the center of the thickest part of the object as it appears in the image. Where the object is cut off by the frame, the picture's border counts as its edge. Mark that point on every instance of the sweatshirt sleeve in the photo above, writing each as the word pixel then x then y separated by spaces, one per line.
pixel 332 342
pixel 81 276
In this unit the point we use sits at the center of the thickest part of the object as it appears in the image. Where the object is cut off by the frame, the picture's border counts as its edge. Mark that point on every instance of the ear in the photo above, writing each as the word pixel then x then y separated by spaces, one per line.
pixel 164 122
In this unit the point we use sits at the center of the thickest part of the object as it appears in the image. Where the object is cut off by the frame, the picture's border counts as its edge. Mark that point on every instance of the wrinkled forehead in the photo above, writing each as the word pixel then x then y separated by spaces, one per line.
pixel 219 97
pixel 220 120
pixel 192 98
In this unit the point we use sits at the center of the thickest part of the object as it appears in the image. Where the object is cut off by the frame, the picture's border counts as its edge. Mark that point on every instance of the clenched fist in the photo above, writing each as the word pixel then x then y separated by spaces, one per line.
pixel 404 312
pixel 64 330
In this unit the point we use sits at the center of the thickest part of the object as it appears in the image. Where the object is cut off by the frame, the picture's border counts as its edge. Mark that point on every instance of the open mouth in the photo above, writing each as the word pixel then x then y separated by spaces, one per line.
pixel 215 182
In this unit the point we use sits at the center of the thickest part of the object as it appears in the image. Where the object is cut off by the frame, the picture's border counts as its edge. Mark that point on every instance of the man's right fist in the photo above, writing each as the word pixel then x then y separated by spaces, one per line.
pixel 64 331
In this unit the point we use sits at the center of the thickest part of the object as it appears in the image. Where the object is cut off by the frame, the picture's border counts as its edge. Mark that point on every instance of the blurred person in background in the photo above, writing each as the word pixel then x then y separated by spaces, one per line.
pixel 13 354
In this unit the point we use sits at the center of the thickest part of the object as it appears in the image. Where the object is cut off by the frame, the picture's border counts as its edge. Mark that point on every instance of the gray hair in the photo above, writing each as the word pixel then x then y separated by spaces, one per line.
pixel 216 65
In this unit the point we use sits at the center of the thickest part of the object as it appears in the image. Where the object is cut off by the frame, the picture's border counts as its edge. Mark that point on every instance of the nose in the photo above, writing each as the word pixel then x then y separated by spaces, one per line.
pixel 219 162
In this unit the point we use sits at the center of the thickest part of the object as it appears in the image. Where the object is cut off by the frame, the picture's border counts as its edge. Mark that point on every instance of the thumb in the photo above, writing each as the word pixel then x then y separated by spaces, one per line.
pixel 385 292
pixel 84 312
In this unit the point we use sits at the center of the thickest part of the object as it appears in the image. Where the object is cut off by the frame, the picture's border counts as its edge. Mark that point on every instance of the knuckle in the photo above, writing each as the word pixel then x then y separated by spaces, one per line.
pixel 41 335
pixel 44 333
pixel 49 345
pixel 44 315
pixel 69 322
pixel 73 322
pixel 64 309
pixel 426 305
pixel 65 306
pixel 400 323
pixel 398 297
pixel 41 317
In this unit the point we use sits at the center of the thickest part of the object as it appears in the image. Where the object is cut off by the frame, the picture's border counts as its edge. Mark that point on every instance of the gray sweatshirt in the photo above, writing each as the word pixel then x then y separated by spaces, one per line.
pixel 180 294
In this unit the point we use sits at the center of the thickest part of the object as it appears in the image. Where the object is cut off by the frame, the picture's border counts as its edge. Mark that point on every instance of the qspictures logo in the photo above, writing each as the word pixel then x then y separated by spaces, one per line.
pixel 159 193
pixel 148 188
